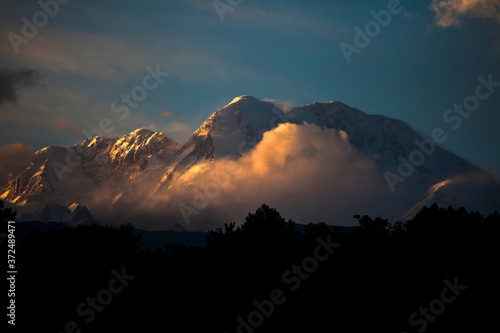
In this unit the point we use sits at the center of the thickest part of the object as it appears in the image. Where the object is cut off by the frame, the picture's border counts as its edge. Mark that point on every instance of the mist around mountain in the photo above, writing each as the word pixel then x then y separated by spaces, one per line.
pixel 321 162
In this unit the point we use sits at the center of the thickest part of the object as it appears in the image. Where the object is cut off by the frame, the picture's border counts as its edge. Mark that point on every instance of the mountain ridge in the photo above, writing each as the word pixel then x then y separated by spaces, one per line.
pixel 120 169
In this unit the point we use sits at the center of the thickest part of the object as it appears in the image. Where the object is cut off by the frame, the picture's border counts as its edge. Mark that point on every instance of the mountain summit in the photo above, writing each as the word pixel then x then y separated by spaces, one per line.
pixel 59 174
pixel 227 133
pixel 149 172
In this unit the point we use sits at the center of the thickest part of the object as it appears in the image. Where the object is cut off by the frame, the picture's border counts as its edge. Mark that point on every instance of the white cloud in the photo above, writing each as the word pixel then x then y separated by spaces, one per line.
pixel 306 172
pixel 452 12
pixel 284 106
pixel 283 19
pixel 91 55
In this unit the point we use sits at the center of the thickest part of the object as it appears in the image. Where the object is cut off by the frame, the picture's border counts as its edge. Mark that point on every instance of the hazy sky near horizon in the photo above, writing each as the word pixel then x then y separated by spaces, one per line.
pixel 69 74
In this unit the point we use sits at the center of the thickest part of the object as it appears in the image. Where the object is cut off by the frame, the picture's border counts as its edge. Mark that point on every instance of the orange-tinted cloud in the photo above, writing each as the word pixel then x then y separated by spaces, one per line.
pixel 452 12
pixel 182 118
pixel 61 124
pixel 13 158
pixel 166 114
pixel 306 172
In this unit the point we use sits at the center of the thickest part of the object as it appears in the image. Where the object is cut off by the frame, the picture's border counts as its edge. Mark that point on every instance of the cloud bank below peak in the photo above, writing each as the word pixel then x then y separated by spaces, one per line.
pixel 290 169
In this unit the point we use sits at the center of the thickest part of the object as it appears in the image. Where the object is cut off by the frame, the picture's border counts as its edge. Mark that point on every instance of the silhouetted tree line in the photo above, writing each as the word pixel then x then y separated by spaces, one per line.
pixel 375 280
pixel 6 214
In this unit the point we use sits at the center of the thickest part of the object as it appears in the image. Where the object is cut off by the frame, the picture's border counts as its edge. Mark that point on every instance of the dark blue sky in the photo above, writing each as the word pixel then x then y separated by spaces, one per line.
pixel 425 60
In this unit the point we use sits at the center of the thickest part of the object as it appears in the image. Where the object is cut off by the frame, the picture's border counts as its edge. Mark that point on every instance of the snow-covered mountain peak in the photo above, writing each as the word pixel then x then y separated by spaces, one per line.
pixel 241 112
pixel 242 121
pixel 324 112
pixel 205 128
pixel 141 132
pixel 141 145
pixel 134 138
pixel 138 136
pixel 243 98
pixel 143 137
pixel 228 132
pixel 94 143
pixel 146 164
pixel 54 173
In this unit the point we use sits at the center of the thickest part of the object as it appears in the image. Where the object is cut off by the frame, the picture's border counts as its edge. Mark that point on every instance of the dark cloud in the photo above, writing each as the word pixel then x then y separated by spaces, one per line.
pixel 11 80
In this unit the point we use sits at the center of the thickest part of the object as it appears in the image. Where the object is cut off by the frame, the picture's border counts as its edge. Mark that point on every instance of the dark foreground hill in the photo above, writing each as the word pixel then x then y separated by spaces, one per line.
pixel 434 273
